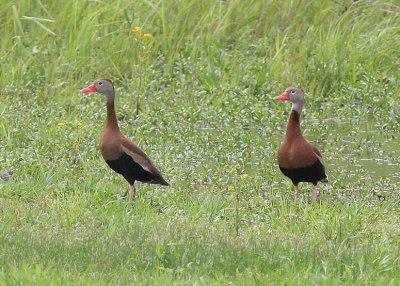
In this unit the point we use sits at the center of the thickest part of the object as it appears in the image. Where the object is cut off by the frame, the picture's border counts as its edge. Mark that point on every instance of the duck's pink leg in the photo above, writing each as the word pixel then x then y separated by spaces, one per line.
pixel 296 192
pixel 315 193
pixel 132 191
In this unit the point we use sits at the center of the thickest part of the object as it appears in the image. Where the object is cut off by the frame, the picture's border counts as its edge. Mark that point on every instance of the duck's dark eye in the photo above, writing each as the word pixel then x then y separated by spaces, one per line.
pixel 293 92
pixel 100 83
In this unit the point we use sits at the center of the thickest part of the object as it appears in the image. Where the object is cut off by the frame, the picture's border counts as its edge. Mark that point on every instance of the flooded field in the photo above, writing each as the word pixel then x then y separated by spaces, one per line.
pixel 194 83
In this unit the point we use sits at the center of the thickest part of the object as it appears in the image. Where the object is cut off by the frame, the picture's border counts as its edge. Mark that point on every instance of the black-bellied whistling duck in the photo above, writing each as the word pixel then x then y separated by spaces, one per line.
pixel 298 159
pixel 123 156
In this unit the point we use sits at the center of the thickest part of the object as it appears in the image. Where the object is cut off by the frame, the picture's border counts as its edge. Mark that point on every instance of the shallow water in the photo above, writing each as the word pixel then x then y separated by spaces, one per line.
pixel 361 157
pixel 368 149
pixel 355 152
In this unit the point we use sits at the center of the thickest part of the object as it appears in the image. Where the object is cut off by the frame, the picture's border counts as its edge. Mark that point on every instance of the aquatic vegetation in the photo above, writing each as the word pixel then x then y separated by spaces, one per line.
pixel 198 95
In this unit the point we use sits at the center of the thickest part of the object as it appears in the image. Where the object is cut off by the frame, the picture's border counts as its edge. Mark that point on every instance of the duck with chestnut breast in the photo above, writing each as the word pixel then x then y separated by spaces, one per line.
pixel 122 155
pixel 298 159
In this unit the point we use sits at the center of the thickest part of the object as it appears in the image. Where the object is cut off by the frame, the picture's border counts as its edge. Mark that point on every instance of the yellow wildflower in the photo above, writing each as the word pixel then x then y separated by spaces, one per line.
pixel 136 30
pixel 244 177
pixel 80 125
pixel 61 124
pixel 234 168
pixel 147 36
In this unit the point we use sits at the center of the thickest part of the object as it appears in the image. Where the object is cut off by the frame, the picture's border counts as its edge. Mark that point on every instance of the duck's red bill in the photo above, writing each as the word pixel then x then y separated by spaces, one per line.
pixel 90 88
pixel 283 96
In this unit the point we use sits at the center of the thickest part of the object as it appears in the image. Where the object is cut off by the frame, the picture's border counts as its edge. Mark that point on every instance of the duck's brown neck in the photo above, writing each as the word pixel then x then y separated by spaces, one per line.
pixel 293 128
pixel 111 121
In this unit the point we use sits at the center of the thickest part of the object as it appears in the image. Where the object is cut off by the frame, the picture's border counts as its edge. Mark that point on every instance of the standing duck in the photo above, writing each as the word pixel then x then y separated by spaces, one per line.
pixel 298 159
pixel 121 155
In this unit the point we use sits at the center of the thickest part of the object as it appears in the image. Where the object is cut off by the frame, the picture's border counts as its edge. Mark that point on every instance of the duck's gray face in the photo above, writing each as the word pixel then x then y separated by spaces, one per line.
pixel 103 85
pixel 293 94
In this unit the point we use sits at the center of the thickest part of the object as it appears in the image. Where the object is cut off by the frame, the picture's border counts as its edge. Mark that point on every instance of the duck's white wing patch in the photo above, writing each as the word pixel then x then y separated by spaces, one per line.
pixel 319 158
pixel 143 162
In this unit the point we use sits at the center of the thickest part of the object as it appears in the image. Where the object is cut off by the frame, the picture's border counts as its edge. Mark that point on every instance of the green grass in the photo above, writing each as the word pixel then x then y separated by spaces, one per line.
pixel 198 98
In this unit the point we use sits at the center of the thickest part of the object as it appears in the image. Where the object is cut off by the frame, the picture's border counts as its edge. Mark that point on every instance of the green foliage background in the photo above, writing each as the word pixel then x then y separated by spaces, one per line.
pixel 197 97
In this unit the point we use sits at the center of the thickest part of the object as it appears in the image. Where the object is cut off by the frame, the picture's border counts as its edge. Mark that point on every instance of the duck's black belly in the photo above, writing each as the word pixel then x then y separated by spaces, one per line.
pixel 312 174
pixel 131 170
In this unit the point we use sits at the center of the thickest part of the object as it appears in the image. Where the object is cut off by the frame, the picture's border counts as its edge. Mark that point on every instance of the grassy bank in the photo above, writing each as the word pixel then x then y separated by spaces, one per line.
pixel 197 97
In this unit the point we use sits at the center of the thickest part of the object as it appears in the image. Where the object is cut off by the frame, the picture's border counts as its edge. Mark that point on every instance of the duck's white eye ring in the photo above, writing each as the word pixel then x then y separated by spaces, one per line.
pixel 293 92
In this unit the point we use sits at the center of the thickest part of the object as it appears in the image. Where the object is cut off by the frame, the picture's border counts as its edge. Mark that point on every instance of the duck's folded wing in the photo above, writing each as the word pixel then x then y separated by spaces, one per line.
pixel 138 156
pixel 318 154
